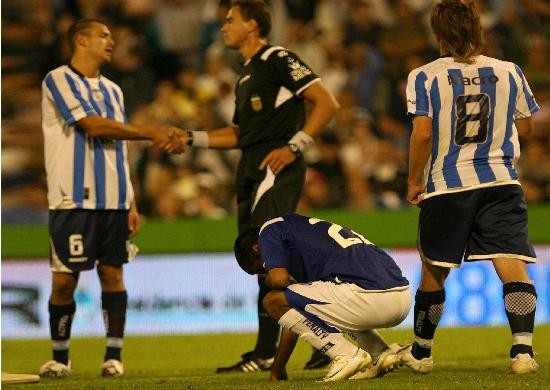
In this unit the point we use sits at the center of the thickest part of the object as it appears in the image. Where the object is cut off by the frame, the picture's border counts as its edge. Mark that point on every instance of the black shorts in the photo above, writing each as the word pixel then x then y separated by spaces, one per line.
pixel 260 196
pixel 480 224
pixel 80 238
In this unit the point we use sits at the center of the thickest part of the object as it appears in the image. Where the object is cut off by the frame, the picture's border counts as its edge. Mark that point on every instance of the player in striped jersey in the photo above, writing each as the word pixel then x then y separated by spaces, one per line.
pixel 90 195
pixel 325 280
pixel 470 112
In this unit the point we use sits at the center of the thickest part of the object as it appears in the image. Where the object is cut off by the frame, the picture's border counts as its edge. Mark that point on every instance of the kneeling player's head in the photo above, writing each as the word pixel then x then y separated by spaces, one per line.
pixel 247 252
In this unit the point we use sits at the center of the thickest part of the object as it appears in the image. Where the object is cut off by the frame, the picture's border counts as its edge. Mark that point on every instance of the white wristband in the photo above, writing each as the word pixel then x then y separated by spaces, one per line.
pixel 302 140
pixel 200 139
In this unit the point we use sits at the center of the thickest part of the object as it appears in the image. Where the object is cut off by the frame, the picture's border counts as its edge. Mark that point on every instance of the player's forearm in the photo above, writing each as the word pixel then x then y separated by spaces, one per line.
pixel 97 126
pixel 419 152
pixel 222 138
pixel 286 347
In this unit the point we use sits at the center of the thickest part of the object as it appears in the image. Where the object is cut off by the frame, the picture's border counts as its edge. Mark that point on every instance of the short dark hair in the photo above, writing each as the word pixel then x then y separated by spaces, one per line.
pixel 458 29
pixel 244 249
pixel 258 10
pixel 78 28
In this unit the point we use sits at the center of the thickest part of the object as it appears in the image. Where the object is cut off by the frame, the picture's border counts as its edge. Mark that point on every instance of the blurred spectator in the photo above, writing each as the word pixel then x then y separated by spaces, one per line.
pixel 302 39
pixel 329 168
pixel 363 25
pixel 364 70
pixel 130 68
pixel 171 62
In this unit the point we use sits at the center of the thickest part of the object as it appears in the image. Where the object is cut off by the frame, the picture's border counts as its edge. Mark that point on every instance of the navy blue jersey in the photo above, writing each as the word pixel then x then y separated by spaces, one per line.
pixel 312 249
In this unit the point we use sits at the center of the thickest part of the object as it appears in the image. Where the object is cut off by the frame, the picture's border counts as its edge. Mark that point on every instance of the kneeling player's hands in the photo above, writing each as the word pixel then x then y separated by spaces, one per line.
pixel 278 159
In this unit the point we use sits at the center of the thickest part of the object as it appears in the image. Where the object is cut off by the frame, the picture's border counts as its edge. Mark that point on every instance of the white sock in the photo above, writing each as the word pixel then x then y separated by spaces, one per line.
pixel 331 344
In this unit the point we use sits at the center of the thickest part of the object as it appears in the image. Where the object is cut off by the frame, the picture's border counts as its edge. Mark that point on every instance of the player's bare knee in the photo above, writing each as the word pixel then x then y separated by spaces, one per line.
pixel 111 278
pixel 509 269
pixel 63 286
pixel 62 295
pixel 270 303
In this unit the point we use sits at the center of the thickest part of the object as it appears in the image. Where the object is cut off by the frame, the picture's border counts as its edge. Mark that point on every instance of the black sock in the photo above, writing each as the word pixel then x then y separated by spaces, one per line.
pixel 428 308
pixel 520 302
pixel 268 328
pixel 114 315
pixel 61 319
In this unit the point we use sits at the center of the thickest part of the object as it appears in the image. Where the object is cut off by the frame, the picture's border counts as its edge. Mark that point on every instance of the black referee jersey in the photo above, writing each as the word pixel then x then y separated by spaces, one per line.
pixel 268 102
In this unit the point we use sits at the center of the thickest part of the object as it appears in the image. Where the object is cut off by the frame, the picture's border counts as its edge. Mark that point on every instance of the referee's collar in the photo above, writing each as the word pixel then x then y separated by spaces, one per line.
pixel 258 53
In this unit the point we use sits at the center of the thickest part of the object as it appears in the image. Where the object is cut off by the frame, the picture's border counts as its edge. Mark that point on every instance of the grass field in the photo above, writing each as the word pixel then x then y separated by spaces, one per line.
pixel 471 358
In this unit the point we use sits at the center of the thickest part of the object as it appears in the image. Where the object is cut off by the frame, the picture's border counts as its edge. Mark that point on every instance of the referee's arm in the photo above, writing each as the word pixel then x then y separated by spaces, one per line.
pixel 324 108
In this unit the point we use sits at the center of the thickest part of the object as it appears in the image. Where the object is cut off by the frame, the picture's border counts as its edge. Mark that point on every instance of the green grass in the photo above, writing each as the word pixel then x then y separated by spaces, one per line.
pixel 466 358
pixel 385 228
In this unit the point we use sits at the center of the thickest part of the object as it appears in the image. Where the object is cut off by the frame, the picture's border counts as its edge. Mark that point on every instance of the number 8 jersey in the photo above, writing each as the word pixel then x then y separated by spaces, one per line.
pixel 473 108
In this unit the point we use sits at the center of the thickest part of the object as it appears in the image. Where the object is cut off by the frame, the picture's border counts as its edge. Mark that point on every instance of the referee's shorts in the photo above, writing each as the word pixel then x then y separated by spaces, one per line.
pixel 262 195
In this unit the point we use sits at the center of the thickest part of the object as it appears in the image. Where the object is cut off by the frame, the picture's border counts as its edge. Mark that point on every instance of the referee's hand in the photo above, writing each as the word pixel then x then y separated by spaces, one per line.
pixel 278 159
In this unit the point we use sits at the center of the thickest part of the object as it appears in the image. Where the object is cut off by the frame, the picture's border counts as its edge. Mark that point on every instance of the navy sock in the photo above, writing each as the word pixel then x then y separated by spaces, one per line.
pixel 428 309
pixel 520 302
pixel 61 318
pixel 114 306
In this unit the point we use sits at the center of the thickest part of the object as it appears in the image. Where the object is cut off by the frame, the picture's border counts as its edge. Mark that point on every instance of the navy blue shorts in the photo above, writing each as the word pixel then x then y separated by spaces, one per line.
pixel 81 238
pixel 480 224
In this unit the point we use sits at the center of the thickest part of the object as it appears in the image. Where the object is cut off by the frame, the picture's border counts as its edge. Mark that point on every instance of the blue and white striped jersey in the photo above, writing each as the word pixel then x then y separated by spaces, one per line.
pixel 473 108
pixel 312 249
pixel 83 172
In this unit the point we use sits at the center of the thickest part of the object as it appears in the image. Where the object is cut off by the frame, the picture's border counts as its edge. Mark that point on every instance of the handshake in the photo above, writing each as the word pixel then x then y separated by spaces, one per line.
pixel 171 139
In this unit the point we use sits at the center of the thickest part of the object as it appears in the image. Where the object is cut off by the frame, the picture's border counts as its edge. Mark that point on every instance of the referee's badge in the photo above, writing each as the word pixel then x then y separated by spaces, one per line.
pixel 256 102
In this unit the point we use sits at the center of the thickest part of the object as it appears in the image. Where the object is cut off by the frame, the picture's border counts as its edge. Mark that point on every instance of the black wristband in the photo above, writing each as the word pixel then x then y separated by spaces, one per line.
pixel 189 138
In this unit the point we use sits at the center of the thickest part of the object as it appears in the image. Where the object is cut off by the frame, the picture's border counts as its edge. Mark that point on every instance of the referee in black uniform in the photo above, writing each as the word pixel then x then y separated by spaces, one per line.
pixel 272 130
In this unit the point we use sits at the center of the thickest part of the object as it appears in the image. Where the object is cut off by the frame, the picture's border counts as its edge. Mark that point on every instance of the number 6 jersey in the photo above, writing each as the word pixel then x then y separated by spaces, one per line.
pixel 312 250
pixel 473 108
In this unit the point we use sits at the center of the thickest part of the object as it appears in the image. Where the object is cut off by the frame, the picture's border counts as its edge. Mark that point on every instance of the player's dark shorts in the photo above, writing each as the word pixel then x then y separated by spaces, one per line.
pixel 262 196
pixel 80 238
pixel 480 224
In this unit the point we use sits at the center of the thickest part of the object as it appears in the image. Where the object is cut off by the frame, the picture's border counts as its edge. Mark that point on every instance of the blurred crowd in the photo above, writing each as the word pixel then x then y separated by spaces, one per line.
pixel 172 65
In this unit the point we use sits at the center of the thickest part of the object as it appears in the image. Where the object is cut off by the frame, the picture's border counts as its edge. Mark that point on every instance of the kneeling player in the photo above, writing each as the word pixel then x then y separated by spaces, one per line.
pixel 325 280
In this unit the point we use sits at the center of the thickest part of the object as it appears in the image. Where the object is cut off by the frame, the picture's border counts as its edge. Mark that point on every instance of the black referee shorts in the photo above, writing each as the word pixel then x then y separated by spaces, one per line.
pixel 261 195
pixel 480 224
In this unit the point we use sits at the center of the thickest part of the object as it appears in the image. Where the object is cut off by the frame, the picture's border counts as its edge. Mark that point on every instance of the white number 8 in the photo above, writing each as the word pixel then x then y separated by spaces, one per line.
pixel 76 246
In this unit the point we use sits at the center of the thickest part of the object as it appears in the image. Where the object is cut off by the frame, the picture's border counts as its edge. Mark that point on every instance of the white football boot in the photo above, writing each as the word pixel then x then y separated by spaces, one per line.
pixel 112 368
pixel 55 369
pixel 387 361
pixel 523 363
pixel 342 367
pixel 419 366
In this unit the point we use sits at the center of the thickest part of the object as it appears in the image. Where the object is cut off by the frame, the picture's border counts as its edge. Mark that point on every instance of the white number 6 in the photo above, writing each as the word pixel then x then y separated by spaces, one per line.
pixel 76 246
